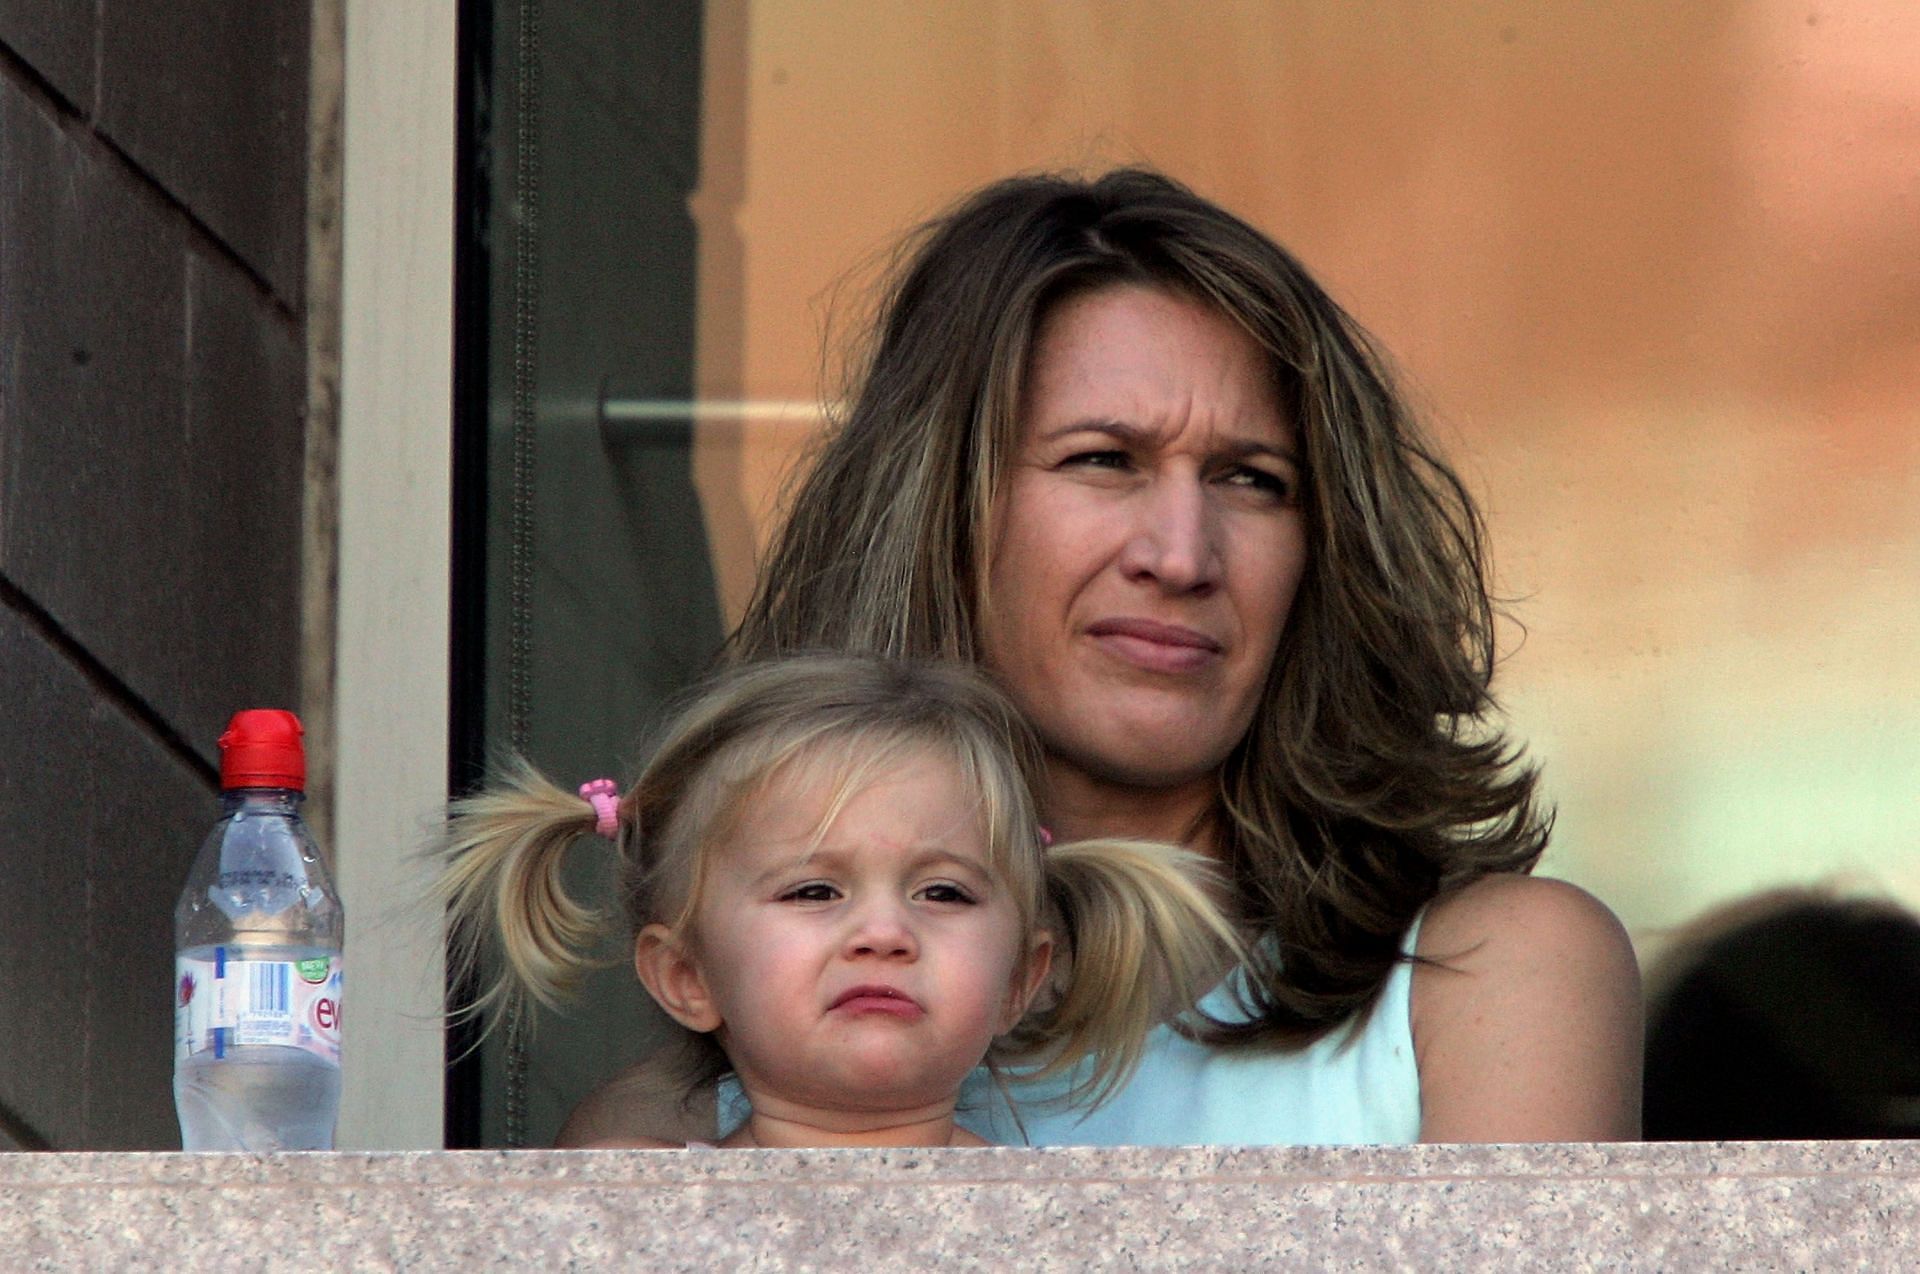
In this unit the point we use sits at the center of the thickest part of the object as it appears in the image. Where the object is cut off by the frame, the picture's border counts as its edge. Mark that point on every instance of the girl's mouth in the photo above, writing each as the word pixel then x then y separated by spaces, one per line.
pixel 877 999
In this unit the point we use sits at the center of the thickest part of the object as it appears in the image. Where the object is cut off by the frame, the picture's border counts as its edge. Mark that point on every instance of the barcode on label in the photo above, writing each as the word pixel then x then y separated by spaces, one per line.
pixel 224 1004
pixel 267 990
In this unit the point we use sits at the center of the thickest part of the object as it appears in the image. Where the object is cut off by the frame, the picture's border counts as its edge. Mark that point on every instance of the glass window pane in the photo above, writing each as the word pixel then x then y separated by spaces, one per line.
pixel 1650 270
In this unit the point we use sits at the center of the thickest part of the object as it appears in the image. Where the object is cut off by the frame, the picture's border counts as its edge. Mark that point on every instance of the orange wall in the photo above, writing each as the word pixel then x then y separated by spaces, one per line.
pixel 1653 269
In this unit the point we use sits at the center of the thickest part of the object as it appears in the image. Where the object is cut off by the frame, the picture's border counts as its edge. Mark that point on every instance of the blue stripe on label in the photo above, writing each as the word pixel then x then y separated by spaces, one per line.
pixel 219 962
pixel 268 989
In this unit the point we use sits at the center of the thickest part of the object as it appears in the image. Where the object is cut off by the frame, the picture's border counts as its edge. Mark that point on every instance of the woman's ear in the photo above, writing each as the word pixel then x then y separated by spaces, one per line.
pixel 673 979
pixel 1028 976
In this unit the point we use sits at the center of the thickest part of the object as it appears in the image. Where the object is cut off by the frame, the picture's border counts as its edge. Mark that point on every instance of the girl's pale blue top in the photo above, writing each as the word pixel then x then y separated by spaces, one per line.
pixel 1357 1085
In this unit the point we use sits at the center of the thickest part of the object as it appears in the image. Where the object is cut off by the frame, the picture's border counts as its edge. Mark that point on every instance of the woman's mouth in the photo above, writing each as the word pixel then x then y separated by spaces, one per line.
pixel 1154 646
pixel 877 999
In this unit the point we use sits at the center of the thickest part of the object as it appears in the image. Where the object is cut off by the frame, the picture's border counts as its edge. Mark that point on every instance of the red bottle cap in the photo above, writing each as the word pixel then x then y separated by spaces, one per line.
pixel 262 748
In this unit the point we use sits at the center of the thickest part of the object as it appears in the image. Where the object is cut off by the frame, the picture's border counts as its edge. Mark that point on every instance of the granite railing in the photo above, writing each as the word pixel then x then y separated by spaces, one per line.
pixel 1764 1206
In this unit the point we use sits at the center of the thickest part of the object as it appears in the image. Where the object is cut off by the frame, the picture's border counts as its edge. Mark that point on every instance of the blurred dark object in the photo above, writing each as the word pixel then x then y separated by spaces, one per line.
pixel 1791 1015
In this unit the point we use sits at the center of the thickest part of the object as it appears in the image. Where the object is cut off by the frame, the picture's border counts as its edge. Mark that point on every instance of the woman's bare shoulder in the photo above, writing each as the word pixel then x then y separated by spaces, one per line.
pixel 1519 915
pixel 1526 1015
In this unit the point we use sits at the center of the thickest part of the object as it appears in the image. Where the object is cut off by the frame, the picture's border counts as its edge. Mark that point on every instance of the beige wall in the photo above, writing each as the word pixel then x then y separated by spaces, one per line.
pixel 1653 269
pixel 390 682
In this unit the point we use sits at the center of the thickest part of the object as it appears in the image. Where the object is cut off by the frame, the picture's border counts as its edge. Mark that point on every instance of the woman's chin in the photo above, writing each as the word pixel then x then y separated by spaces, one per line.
pixel 1155 747
pixel 1127 765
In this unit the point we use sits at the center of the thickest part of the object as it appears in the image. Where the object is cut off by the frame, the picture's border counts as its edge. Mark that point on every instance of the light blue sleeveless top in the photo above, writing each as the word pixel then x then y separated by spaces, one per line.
pixel 1355 1086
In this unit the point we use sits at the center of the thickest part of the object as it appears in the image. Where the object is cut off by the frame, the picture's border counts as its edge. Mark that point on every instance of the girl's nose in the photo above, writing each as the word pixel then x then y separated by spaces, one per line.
pixel 1174 539
pixel 882 929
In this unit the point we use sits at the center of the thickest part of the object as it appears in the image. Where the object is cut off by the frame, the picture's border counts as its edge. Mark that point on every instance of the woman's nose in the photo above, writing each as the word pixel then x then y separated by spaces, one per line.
pixel 882 928
pixel 1174 539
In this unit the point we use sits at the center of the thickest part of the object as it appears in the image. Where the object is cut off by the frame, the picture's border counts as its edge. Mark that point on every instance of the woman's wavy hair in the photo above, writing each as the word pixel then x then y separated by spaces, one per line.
pixel 1374 775
pixel 1138 933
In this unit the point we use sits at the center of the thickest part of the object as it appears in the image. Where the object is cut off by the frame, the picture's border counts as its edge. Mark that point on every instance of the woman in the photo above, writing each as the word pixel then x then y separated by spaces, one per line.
pixel 1115 445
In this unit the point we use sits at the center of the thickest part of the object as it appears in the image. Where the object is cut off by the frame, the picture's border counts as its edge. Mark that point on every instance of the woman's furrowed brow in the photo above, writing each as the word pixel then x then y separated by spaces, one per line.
pixel 1237 447
pixel 1242 448
pixel 1118 429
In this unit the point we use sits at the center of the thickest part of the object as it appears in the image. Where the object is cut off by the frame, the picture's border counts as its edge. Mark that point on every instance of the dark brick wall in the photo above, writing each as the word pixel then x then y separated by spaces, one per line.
pixel 152 439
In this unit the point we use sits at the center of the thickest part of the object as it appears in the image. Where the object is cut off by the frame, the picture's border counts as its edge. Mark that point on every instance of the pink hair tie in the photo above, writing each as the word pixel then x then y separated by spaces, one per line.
pixel 604 796
pixel 1046 837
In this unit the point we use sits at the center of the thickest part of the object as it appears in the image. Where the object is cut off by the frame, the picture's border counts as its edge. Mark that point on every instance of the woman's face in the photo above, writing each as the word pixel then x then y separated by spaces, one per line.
pixel 1148 539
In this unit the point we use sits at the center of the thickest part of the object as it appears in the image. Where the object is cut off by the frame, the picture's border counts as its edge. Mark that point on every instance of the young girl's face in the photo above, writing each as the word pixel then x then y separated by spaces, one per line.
pixel 863 965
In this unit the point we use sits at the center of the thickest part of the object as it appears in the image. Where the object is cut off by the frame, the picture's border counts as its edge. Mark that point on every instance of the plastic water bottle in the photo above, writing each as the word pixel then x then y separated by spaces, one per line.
pixel 258 935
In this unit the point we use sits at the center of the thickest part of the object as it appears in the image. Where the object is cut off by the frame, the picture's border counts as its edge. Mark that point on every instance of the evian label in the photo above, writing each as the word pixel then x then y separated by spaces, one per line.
pixel 222 1003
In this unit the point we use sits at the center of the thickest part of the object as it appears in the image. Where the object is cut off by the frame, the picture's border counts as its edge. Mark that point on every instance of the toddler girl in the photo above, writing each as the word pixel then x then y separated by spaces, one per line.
pixel 839 889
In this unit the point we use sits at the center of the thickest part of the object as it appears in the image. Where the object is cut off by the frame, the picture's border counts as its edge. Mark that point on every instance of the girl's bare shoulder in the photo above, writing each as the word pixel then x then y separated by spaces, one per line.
pixel 630 1143
pixel 634 1110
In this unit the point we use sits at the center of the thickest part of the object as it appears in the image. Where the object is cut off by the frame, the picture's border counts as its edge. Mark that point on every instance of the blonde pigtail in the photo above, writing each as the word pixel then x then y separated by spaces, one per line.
pixel 500 883
pixel 1143 941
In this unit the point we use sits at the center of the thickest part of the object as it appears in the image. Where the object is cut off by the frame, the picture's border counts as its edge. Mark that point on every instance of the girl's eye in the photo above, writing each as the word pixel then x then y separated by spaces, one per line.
pixel 812 891
pixel 945 892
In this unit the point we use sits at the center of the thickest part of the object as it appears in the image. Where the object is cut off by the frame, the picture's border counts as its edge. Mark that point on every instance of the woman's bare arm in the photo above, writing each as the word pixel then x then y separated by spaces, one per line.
pixel 1528 1026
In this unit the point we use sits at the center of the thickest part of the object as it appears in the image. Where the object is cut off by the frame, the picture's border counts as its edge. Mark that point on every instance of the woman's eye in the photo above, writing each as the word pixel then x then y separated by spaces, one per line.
pixel 813 891
pixel 1108 459
pixel 944 892
pixel 1277 486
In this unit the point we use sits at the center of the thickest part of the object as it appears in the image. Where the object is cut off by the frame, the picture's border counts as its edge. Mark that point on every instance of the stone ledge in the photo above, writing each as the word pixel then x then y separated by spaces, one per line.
pixel 1781 1205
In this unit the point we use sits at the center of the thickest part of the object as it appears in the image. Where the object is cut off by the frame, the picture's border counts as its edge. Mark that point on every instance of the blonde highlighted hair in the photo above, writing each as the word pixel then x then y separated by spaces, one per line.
pixel 1134 919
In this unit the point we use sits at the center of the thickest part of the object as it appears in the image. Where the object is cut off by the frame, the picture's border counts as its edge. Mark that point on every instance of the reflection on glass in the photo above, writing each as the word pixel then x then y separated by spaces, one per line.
pixel 1653 271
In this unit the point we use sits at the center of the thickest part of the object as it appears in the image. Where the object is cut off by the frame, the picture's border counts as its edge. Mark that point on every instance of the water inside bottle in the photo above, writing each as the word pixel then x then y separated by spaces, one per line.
pixel 262 1098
